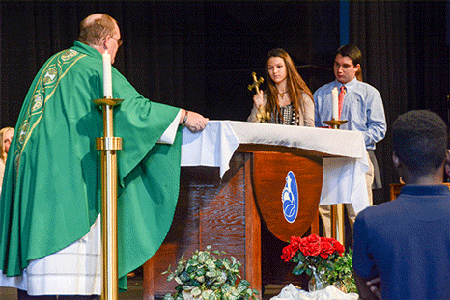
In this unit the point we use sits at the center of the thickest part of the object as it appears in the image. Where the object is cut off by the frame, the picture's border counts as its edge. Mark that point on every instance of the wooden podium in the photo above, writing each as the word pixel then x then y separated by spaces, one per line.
pixel 229 213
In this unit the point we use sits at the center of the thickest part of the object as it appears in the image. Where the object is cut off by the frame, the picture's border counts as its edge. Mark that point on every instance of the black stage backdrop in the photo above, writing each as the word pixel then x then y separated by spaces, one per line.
pixel 406 57
pixel 199 54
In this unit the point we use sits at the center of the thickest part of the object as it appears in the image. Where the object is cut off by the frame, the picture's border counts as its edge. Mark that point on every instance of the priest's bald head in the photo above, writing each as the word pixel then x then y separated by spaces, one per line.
pixel 101 32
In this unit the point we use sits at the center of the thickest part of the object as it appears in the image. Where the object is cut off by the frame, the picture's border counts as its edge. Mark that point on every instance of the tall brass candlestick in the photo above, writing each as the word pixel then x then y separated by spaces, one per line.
pixel 108 145
pixel 337 210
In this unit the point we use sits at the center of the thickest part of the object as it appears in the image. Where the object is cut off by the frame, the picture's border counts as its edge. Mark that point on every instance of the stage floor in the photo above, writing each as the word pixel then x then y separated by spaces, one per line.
pixel 135 290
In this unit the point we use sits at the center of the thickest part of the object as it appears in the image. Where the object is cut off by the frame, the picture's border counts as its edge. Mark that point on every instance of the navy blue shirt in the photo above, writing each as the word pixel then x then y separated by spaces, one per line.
pixel 407 243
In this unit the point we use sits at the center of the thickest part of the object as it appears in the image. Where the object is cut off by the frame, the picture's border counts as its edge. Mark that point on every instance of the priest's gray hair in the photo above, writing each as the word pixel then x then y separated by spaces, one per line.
pixel 95 27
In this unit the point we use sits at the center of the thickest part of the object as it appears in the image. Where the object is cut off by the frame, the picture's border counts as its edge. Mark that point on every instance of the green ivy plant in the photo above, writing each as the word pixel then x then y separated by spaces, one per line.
pixel 342 273
pixel 206 275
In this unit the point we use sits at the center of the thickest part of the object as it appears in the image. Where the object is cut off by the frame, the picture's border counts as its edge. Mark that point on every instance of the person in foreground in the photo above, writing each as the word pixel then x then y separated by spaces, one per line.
pixel 362 107
pixel 288 99
pixel 49 208
pixel 406 242
pixel 6 136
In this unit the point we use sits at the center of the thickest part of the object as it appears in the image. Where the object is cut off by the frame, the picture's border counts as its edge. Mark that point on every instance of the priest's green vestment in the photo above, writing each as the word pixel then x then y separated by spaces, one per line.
pixel 51 191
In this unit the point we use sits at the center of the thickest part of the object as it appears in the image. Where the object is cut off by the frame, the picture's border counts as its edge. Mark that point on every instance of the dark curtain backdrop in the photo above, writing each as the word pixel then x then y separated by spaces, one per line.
pixel 200 54
pixel 194 54
pixel 162 55
pixel 406 57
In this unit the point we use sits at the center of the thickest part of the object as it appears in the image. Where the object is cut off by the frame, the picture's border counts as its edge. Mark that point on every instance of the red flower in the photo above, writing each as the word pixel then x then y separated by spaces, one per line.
pixel 288 253
pixel 310 245
pixel 313 250
pixel 327 249
pixel 313 238
pixel 339 248
pixel 295 242
pixel 317 252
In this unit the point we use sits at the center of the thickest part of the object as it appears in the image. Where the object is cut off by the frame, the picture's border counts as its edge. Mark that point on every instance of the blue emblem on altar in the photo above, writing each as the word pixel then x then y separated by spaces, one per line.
pixel 290 198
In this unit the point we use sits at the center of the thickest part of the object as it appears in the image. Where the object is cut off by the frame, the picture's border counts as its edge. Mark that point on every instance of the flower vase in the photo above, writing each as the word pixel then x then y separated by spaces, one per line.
pixel 317 281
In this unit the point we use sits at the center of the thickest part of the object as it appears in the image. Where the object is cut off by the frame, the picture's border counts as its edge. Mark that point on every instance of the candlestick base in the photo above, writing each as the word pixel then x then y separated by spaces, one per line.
pixel 335 124
pixel 108 101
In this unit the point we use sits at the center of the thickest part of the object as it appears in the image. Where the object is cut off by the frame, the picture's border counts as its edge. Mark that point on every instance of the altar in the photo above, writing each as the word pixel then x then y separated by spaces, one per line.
pixel 237 177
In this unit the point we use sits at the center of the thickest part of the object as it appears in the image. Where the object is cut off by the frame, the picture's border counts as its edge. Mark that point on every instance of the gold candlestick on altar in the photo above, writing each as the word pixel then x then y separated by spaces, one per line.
pixel 109 145
pixel 337 211
pixel 335 124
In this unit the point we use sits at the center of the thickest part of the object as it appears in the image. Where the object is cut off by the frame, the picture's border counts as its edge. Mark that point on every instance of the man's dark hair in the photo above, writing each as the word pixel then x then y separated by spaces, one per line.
pixel 351 51
pixel 419 138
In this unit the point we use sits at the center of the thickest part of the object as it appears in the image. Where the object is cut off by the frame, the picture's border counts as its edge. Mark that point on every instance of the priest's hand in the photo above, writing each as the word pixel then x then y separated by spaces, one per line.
pixel 194 122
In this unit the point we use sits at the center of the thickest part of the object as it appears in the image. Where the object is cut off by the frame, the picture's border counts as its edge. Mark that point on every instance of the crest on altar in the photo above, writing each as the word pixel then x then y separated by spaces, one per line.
pixel 289 198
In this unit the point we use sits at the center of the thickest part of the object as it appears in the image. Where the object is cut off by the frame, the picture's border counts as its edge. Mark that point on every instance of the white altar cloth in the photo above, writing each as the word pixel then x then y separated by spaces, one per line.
pixel 345 159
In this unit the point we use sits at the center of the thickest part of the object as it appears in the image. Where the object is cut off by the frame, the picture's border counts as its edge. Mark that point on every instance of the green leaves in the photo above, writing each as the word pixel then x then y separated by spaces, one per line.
pixel 205 274
pixel 196 292
pixel 342 272
pixel 300 268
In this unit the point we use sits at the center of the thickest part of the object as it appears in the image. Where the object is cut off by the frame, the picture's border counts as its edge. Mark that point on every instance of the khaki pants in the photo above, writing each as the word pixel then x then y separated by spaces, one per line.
pixel 325 210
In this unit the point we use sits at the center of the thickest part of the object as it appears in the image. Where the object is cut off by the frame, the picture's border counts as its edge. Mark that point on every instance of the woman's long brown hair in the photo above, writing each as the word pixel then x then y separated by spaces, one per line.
pixel 295 83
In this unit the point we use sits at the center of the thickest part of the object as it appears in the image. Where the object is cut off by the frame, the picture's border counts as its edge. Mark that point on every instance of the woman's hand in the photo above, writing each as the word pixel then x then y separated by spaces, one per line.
pixel 258 99
pixel 195 122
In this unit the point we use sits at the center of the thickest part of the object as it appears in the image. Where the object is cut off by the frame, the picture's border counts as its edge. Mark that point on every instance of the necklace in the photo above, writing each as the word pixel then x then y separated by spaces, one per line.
pixel 287 115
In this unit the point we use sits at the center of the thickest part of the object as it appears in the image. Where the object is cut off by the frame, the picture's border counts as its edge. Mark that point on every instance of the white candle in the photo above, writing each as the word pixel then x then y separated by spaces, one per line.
pixel 334 95
pixel 107 84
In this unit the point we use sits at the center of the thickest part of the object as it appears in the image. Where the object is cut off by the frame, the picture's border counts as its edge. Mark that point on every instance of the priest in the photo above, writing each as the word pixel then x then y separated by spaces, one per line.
pixel 50 204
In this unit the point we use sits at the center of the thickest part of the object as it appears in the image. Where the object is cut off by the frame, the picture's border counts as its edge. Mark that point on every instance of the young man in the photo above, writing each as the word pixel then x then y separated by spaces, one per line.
pixel 361 107
pixel 406 242
pixel 49 228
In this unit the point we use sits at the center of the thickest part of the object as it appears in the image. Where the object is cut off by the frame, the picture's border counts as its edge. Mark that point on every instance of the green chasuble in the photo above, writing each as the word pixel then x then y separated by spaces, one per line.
pixel 51 190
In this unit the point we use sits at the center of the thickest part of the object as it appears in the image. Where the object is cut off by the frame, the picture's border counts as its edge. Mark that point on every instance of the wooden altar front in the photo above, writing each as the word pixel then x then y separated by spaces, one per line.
pixel 231 213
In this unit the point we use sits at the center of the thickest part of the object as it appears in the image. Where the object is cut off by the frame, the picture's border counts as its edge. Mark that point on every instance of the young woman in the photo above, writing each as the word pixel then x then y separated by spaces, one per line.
pixel 287 100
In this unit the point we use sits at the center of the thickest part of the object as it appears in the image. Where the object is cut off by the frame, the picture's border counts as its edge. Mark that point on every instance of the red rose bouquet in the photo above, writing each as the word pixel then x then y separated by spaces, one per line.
pixel 312 253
